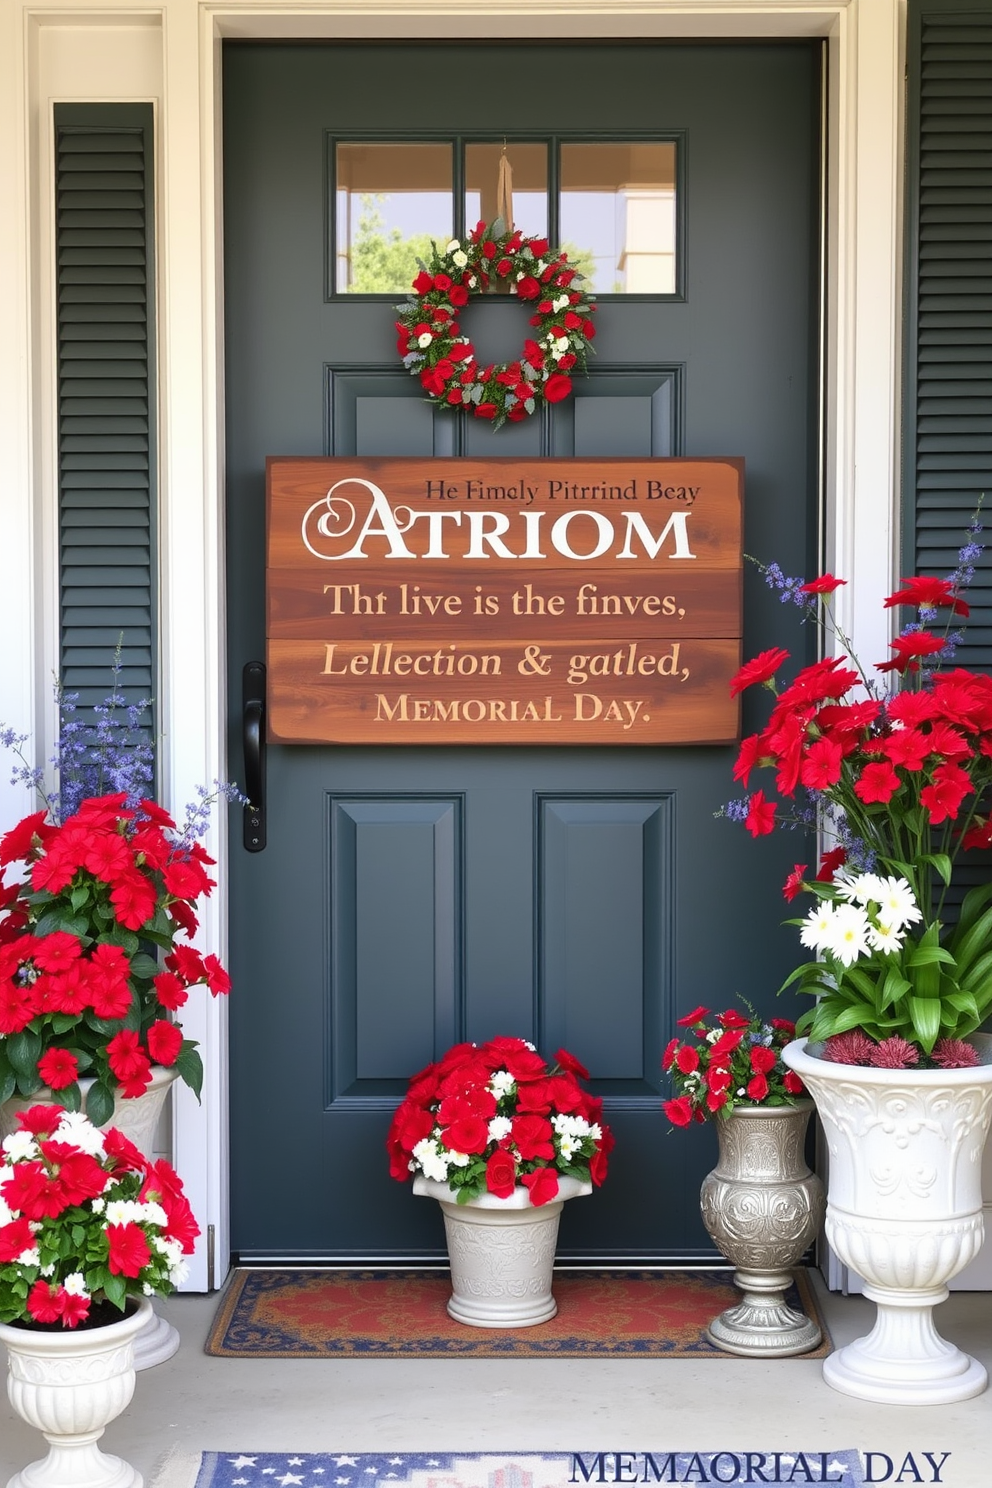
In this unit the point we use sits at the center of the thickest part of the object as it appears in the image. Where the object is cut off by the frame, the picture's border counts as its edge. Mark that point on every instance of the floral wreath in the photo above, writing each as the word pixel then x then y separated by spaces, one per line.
pixel 433 348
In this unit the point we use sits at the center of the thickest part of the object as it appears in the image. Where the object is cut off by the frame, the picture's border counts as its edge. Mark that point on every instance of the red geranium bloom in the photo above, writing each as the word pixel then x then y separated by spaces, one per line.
pixel 822 764
pixel 534 1096
pixel 109 857
pixel 830 861
pixel 128 1059
pixel 44 1301
pixel 127 1250
pixel 532 1137
pixel 557 387
pixel 908 648
pixel 760 669
pixel 19 841
pixel 170 991
pixel 58 1068
pixel 525 1064
pixel 470 1134
pixel 696 1016
pixel 164 1042
pixel 943 797
pixel 187 963
pixel 757 1087
pixel 75 1309
pixel 77 1175
pixel 687 1059
pixel 501 1174
pixel 569 1062
pixel 761 815
pixel 542 1184
pixel 217 978
pixel 825 584
pixel 40 1121
pixel 733 1020
pixel 763 1059
pixel 134 900
pixel 932 593
pixel 122 1152
pixel 794 883
pixel 828 678
pixel 15 1238
pixel 877 782
pixel 678 1111
pixel 56 951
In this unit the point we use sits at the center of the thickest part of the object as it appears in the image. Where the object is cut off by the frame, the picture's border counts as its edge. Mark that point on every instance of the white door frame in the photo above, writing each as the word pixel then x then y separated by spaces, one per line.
pixel 169 53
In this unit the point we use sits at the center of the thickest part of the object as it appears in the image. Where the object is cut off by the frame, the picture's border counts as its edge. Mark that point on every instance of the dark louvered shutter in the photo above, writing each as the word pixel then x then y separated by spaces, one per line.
pixel 948 410
pixel 106 402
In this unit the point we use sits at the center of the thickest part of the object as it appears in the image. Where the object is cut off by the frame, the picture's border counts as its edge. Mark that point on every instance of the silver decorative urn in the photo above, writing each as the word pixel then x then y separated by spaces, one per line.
pixel 762 1207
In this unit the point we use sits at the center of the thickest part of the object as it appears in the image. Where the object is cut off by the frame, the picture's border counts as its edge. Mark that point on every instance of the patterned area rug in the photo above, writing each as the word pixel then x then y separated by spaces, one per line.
pixel 295 1314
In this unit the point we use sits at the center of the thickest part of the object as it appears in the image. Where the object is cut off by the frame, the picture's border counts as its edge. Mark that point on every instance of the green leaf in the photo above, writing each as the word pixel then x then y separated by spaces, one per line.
pixel 980 972
pixel 970 945
pixel 62 1022
pixel 79 896
pixel 24 1051
pixel 190 1066
pixel 115 1288
pixel 827 1022
pixel 894 988
pixel 8 1083
pixel 925 1013
pixel 941 863
pixel 144 967
pixel 100 1103
pixel 923 954
pixel 971 906
pixel 62 918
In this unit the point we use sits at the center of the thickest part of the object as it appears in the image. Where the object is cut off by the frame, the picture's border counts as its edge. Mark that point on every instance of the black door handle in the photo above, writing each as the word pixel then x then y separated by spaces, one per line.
pixel 253 739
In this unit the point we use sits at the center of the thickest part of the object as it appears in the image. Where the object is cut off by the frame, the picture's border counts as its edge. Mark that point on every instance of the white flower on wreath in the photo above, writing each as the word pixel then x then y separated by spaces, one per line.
pixel 424 340
pixel 459 259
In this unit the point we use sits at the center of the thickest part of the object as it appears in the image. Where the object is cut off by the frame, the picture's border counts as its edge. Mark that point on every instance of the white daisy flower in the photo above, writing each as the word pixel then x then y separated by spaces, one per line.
pixel 815 932
pixel 884 938
pixel 867 888
pixel 75 1285
pixel 897 903
pixel 848 934
pixel 499 1127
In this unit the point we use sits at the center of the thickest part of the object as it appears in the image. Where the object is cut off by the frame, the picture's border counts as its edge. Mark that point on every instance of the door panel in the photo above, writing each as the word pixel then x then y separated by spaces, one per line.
pixel 583 897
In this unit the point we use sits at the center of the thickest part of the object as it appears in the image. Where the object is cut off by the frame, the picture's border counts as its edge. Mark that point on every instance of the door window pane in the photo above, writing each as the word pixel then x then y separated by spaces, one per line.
pixel 391 200
pixel 618 215
pixel 529 169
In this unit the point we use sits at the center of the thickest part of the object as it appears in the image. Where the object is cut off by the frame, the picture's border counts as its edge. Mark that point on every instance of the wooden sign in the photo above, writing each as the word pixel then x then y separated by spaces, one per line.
pixel 503 601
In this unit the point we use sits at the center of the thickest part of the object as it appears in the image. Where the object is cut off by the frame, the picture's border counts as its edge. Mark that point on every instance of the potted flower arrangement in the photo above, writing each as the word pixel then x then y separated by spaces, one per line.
pixel 501 1138
pixel 89 1230
pixel 98 896
pixel 899 772
pixel 761 1205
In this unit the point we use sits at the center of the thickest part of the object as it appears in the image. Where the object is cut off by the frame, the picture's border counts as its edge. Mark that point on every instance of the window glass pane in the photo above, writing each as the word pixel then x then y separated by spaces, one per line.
pixel 392 199
pixel 618 215
pixel 529 175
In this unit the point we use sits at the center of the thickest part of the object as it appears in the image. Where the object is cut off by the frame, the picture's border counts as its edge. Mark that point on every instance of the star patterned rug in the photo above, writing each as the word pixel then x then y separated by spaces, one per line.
pixel 507 1469
pixel 296 1314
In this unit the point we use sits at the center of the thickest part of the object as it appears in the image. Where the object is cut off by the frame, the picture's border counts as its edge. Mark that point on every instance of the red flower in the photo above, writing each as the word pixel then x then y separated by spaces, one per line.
pixel 668 1057
pixel 217 978
pixel 678 1111
pixel 27 1191
pixel 133 899
pixel 907 747
pixel 534 1096
pixel 458 295
pixel 569 1062
pixel 794 883
pixel 40 1121
pixel 109 857
pixel 58 1068
pixel 44 1301
pixel 76 1176
pixel 877 782
pixel 538 246
pixel 825 584
pixel 757 1087
pixel 760 669
pixel 75 1309
pixel 929 592
pixel 760 816
pixel 442 282
pixel 164 1042
pixel 687 1059
pixel 485 410
pixel 185 879
pixel 557 387
pixel 821 765
pixel 29 833
pixel 832 859
pixel 187 963
pixel 908 648
pixel 129 1062
pixel 170 991
pixel 696 1016
pixel 127 1250
pixel 792 1083
pixel 542 1184
pixel 423 283
pixel 525 1064
pixel 944 796
pixel 763 1059
pixel 57 951
pixel 15 1238
pixel 501 1174
pixel 469 1134
pixel 718 1078
pixel 122 1152
pixel 528 288
pixel 532 1137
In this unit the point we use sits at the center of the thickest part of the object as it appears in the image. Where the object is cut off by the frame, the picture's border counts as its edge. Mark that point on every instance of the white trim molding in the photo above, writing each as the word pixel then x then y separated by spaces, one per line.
pixel 169 52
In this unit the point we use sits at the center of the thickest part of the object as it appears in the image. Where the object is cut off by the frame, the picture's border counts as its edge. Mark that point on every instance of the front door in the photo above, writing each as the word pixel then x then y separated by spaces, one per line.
pixel 409 898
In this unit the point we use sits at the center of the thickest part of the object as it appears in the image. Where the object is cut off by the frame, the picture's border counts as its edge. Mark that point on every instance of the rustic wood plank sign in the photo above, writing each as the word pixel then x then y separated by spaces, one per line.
pixel 503 601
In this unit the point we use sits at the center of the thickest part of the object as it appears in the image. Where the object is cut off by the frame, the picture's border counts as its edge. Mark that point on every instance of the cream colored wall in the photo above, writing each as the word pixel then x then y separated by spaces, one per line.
pixel 169 53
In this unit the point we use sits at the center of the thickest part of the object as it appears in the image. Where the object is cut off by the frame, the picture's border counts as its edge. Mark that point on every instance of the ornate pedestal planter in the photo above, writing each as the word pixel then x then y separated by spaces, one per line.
pixel 71 1385
pixel 502 1253
pixel 904 1210
pixel 762 1207
pixel 137 1119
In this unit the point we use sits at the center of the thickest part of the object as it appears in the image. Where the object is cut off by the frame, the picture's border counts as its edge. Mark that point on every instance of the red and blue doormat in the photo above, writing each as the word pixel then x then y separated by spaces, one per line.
pixel 524 1469
pixel 293 1314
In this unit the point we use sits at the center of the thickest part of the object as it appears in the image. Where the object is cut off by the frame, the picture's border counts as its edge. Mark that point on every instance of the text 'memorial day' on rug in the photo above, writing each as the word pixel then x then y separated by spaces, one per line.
pixel 297 1314
pixel 844 1469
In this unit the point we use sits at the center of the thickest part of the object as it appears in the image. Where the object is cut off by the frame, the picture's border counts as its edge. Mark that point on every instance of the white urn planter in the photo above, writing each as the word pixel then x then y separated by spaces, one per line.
pixel 904 1210
pixel 137 1118
pixel 70 1384
pixel 501 1253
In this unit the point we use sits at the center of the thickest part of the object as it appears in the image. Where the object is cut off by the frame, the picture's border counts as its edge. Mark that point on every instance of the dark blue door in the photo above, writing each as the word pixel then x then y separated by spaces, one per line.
pixel 409 898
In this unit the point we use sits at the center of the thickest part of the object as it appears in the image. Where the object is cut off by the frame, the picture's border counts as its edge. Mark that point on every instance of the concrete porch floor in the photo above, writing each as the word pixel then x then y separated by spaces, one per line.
pixel 243 1405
